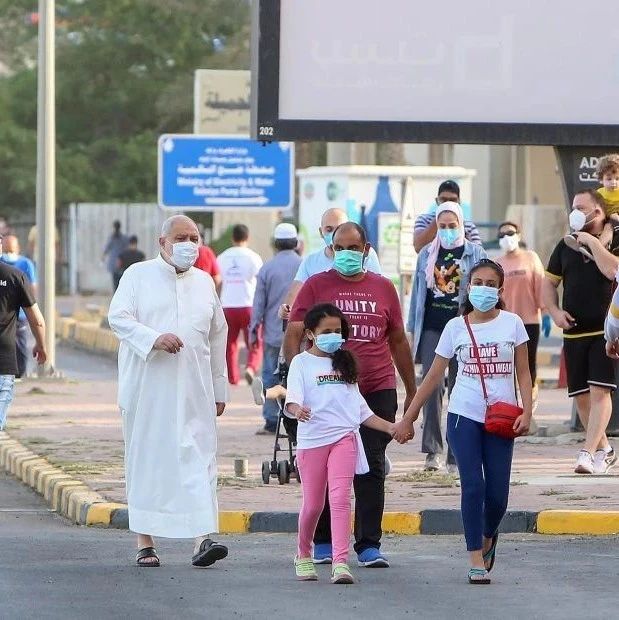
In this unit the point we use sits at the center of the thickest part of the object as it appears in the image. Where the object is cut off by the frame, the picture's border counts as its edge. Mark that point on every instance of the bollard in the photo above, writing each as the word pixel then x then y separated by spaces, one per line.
pixel 241 467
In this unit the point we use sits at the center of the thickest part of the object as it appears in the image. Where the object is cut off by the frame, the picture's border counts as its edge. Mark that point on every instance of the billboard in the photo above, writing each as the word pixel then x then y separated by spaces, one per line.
pixel 459 72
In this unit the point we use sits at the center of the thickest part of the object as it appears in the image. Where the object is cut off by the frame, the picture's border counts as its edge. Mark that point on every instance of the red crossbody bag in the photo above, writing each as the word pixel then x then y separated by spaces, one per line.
pixel 500 416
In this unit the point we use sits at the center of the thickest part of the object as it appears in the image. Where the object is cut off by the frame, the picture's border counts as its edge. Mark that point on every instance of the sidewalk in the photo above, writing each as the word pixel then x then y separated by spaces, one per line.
pixel 76 425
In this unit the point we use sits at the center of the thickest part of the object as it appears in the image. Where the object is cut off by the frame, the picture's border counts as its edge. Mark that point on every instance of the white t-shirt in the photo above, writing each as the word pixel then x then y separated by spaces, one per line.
pixel 496 340
pixel 318 262
pixel 337 408
pixel 239 267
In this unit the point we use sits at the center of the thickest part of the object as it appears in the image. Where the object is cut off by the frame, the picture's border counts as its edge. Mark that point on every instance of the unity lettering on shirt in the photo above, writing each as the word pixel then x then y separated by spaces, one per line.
pixel 358 313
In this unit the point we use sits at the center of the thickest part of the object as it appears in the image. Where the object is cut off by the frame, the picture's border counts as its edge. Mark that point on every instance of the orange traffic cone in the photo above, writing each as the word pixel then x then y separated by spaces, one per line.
pixel 562 383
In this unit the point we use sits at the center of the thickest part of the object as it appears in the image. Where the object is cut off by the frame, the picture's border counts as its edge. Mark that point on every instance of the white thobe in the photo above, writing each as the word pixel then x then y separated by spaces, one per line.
pixel 168 400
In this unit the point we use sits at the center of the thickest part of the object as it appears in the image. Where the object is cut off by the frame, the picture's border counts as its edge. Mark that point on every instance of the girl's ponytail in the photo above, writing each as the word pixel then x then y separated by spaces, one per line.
pixel 344 362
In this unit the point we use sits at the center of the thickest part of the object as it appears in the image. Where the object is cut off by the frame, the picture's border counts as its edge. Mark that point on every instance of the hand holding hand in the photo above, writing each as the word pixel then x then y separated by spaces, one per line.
pixel 403 431
pixel 39 354
pixel 169 343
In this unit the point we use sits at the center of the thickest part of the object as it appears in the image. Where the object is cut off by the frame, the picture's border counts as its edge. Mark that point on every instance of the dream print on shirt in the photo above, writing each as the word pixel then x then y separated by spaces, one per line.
pixel 331 378
pixel 497 359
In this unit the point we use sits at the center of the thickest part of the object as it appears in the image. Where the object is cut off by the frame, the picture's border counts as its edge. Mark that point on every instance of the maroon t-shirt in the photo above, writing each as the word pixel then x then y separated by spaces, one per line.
pixel 372 308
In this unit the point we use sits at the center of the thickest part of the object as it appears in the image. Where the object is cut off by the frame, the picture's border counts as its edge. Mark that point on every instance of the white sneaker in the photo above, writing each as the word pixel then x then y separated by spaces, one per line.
pixel 584 464
pixel 257 390
pixel 433 462
pixel 603 461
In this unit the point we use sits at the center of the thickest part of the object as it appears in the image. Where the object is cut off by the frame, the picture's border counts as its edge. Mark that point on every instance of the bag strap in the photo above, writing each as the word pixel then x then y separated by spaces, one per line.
pixel 476 355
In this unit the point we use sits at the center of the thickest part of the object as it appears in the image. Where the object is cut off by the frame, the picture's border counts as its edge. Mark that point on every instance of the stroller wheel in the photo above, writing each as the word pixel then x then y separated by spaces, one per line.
pixel 283 472
pixel 266 472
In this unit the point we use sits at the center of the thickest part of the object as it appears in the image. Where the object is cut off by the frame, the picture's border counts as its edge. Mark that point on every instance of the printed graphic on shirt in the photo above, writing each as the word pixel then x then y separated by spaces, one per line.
pixel 496 359
pixel 332 378
pixel 447 276
pixel 364 320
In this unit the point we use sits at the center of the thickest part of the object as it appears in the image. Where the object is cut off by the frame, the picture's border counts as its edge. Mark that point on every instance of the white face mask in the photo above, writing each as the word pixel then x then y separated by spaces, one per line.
pixel 509 244
pixel 578 220
pixel 184 254
pixel 12 256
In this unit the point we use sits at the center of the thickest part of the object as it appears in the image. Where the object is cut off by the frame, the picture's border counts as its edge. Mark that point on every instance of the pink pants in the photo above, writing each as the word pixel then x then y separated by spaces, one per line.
pixel 238 320
pixel 332 466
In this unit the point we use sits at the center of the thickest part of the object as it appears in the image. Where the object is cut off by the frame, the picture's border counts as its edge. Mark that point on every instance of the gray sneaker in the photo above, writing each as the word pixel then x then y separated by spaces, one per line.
pixel 433 462
pixel 258 391
pixel 604 461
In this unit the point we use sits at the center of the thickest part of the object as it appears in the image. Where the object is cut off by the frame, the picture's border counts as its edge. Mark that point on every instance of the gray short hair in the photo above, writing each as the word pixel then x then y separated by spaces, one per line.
pixel 166 227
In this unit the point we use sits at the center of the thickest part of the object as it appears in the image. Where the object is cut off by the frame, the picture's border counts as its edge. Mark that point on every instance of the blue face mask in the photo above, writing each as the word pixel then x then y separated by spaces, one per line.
pixel 328 238
pixel 448 237
pixel 483 298
pixel 348 262
pixel 329 343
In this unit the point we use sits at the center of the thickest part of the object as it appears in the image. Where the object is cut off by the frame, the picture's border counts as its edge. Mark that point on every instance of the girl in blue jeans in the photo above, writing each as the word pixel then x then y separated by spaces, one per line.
pixel 484 460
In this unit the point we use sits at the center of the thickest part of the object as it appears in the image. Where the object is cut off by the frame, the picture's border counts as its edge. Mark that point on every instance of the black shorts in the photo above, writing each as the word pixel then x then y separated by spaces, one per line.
pixel 587 364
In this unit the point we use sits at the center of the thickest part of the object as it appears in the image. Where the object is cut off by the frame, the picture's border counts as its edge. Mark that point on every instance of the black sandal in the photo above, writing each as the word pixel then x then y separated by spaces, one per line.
pixel 208 553
pixel 490 555
pixel 143 554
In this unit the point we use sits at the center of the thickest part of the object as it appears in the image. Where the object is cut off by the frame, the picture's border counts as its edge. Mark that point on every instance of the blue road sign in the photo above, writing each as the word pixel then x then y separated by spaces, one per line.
pixel 210 173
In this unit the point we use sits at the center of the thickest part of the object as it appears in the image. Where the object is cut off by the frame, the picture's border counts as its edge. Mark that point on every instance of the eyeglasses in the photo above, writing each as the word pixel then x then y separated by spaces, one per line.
pixel 508 233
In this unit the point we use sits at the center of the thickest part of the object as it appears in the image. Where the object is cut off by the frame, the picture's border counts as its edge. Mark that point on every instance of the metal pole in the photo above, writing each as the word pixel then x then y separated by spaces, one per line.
pixel 46 175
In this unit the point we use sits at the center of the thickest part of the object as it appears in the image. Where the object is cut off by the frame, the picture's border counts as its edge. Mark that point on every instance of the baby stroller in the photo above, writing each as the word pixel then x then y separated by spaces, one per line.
pixel 285 431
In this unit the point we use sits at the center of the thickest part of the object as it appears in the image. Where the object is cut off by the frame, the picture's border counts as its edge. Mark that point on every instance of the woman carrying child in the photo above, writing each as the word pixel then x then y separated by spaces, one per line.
pixel 322 394
pixel 486 340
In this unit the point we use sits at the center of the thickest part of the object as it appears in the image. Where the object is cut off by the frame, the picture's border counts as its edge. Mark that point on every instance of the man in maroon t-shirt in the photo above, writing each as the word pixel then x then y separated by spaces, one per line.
pixel 378 340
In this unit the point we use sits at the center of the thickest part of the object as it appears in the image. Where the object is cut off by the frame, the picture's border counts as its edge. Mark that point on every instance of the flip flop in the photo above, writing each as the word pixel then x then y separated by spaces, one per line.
pixel 572 243
pixel 490 555
pixel 208 553
pixel 479 577
pixel 147 552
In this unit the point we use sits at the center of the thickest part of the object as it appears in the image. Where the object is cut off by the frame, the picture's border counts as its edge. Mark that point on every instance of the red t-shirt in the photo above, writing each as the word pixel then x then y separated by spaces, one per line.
pixel 373 311
pixel 207 261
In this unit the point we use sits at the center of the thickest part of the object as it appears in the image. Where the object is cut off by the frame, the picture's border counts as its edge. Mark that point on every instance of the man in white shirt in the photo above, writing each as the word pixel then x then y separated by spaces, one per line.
pixel 239 267
pixel 172 385
pixel 322 260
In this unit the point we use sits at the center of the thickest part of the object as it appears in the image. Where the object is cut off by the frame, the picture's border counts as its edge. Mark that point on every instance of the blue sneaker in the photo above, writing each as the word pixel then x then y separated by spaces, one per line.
pixel 372 558
pixel 323 553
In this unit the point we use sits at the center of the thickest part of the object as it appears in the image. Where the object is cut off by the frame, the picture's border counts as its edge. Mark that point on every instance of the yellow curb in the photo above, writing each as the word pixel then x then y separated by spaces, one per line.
pixel 29 469
pixel 76 500
pixel 402 523
pixel 21 461
pixel 45 482
pixel 101 514
pixel 234 521
pixel 11 460
pixel 587 522
pixel 40 471
pixel 65 496
pixel 57 488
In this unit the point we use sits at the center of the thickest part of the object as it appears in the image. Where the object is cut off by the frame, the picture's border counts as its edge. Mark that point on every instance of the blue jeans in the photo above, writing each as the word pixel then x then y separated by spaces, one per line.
pixel 270 409
pixel 484 461
pixel 6 396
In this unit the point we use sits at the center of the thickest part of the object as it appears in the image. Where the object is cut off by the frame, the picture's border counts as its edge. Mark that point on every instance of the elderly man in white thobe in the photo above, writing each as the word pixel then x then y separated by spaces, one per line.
pixel 172 385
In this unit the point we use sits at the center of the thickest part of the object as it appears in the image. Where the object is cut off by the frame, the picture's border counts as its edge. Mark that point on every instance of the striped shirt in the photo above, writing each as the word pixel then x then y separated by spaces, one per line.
pixel 470 230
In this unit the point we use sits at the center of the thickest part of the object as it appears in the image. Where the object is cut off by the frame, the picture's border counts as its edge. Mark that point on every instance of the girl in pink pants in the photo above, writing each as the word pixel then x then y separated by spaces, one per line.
pixel 323 395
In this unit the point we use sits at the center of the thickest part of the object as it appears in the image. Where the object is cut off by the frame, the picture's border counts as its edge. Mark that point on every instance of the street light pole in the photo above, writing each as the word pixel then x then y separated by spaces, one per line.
pixel 46 176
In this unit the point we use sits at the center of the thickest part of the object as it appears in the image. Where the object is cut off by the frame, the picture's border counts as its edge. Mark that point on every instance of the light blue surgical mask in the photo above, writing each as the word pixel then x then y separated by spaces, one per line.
pixel 448 237
pixel 329 343
pixel 348 262
pixel 483 298
pixel 328 238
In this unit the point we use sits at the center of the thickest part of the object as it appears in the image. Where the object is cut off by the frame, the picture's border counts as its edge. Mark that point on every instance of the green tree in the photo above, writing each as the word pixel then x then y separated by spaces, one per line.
pixel 124 76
